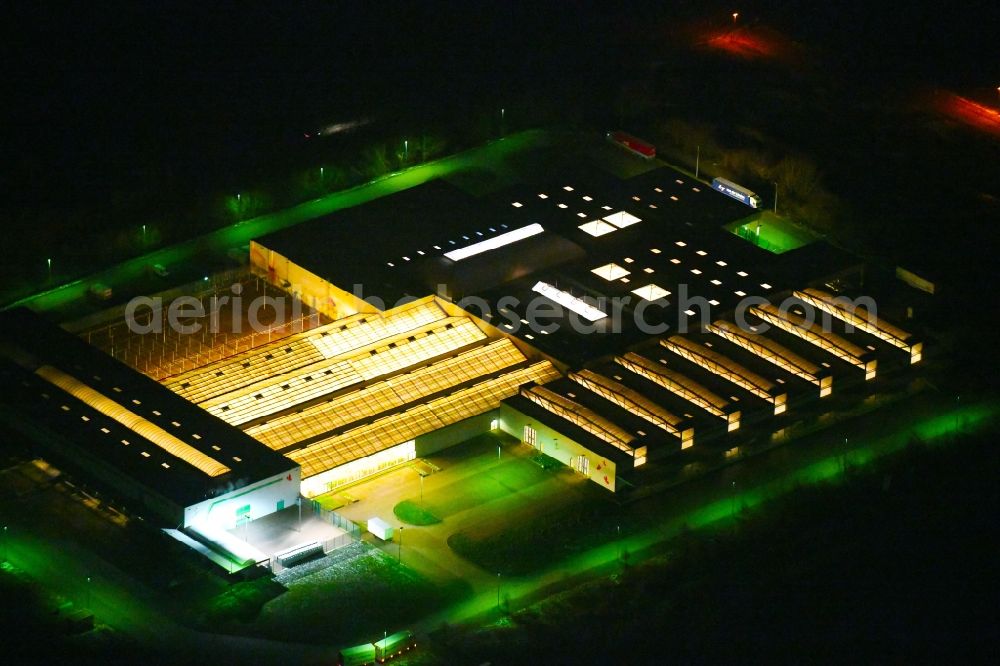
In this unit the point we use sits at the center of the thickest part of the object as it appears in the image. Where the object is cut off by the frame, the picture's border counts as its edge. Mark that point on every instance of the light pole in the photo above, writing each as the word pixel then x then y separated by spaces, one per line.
pixel 399 552
pixel 49 263
pixel 421 488
pixel 502 113
pixel 619 528
pixel 736 15
pixel 321 173
pixel 775 198
pixel 88 591
pixel 406 150
pixel 498 451
pixel 4 543
pixel 732 504
pixel 697 162
pixel 144 234
pixel 498 590
pixel 958 398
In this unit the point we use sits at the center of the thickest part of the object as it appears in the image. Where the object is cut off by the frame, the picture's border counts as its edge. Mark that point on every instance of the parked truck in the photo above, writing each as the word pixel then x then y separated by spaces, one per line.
pixel 738 192
pixel 643 149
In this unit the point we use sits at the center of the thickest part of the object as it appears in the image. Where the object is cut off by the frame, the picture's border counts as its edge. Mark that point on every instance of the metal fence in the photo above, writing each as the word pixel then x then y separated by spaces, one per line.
pixel 352 532
pixel 337 520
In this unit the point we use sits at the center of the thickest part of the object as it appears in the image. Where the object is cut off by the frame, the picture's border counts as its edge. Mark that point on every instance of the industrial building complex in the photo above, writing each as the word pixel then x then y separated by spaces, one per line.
pixel 611 324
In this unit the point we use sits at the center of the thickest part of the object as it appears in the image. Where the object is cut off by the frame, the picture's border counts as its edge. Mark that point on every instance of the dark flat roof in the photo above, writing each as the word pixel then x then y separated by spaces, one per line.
pixel 46 411
pixel 394 247
pixel 32 341
pixel 356 245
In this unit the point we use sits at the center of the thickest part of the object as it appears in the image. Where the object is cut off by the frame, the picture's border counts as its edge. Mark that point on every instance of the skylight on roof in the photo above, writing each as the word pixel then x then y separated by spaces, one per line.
pixel 567 300
pixel 610 271
pixel 621 219
pixel 651 292
pixel 597 228
pixel 495 242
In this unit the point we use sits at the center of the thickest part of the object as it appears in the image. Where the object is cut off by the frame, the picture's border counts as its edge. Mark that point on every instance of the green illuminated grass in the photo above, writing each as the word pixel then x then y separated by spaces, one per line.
pixel 491 156
pixel 587 531
pixel 772 233
pixel 362 594
pixel 413 514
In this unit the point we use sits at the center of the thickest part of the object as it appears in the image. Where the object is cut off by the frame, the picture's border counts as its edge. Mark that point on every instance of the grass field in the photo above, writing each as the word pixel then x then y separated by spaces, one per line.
pixel 772 233
pixel 412 513
pixel 354 599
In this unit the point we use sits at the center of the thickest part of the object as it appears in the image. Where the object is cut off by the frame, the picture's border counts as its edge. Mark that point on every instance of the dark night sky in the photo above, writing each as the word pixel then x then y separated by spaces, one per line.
pixel 109 87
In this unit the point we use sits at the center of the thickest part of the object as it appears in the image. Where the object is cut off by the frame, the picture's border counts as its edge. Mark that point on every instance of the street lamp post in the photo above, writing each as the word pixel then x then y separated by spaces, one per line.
pixel 958 398
pixel 4 543
pixel 88 591
pixel 736 15
pixel 406 150
pixel 775 198
pixel 421 488
pixel 697 162
pixel 49 263
pixel 399 552
pixel 498 590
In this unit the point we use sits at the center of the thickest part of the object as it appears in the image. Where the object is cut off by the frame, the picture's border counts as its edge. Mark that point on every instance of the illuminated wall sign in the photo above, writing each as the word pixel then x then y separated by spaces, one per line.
pixel 577 305
pixel 495 242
